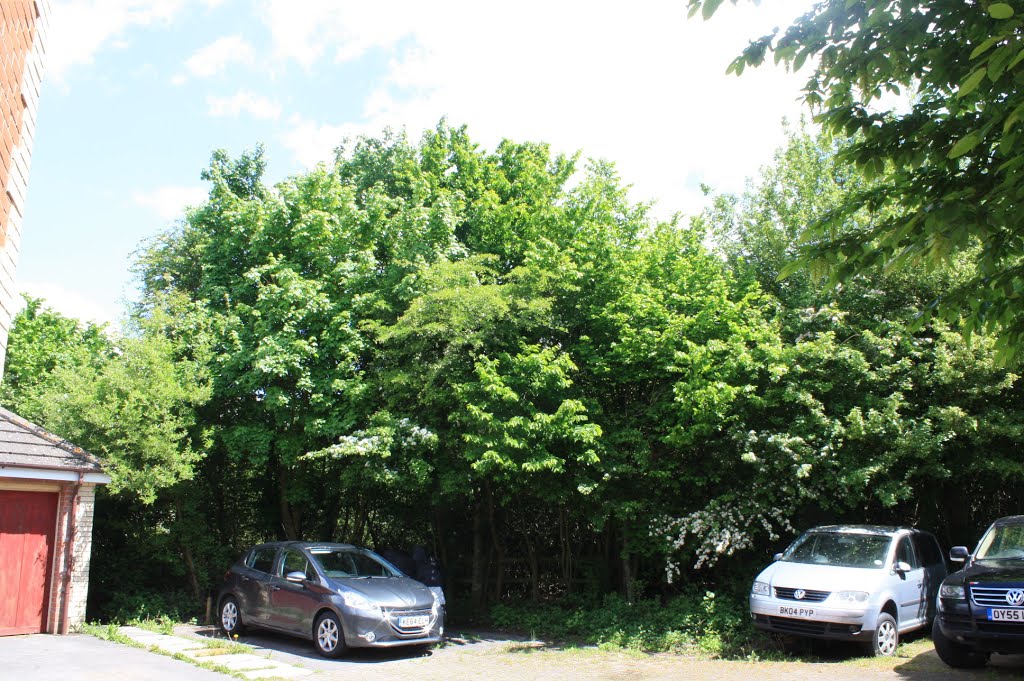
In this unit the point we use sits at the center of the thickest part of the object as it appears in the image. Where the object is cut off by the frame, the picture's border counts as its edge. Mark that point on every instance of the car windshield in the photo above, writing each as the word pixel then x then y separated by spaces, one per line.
pixel 352 563
pixel 844 549
pixel 1000 542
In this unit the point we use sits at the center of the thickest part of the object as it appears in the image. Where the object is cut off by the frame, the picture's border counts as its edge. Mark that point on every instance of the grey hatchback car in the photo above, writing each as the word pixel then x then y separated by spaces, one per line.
pixel 337 595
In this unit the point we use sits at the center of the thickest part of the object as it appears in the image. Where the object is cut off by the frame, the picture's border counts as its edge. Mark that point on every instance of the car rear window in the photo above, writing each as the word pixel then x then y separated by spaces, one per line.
pixel 262 559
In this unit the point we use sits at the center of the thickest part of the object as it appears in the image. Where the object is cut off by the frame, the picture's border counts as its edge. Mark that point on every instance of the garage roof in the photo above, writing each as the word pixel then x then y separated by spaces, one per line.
pixel 26 445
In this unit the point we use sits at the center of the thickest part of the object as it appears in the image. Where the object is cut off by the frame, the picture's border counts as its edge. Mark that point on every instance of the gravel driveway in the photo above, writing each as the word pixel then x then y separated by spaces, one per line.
pixel 495 658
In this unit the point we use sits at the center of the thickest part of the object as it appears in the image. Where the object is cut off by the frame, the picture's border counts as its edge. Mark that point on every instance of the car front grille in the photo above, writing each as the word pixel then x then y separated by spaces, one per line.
pixel 810 595
pixel 991 596
pixel 394 617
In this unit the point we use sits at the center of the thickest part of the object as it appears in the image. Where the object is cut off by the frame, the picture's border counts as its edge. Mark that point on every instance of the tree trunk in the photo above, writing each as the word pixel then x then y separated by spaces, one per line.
pixel 499 550
pixel 357 532
pixel 291 517
pixel 628 582
pixel 476 588
pixel 566 544
pixel 531 553
pixel 186 553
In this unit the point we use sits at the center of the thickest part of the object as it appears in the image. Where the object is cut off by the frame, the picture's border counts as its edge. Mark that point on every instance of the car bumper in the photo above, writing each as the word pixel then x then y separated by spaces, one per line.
pixel 366 630
pixel 813 620
pixel 960 623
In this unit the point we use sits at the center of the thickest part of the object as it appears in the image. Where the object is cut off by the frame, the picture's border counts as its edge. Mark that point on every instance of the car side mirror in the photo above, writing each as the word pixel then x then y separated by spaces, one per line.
pixel 297 577
pixel 777 557
pixel 959 554
pixel 902 567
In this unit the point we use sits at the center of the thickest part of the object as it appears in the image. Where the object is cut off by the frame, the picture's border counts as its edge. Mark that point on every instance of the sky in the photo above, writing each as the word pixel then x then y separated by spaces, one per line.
pixel 138 93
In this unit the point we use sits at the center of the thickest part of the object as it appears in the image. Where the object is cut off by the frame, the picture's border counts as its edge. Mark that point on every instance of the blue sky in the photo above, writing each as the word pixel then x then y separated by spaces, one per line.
pixel 138 93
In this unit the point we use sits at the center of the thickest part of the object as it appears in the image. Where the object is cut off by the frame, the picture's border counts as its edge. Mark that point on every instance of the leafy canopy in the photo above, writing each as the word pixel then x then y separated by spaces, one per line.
pixel 952 163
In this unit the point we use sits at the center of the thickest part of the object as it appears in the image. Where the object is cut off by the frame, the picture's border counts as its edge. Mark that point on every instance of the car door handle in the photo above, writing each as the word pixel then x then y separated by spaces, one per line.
pixel 275 587
pixel 246 579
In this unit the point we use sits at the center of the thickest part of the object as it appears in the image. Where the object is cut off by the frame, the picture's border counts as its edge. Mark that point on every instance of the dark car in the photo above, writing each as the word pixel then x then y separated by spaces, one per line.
pixel 981 607
pixel 337 595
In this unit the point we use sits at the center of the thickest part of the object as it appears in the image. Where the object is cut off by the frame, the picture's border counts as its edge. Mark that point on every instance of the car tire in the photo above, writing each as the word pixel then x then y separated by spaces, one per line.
pixel 886 637
pixel 955 654
pixel 230 620
pixel 328 636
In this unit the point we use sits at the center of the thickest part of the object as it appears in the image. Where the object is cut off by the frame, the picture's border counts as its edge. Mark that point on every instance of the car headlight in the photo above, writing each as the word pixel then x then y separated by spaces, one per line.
pixel 761 589
pixel 852 596
pixel 357 601
pixel 954 591
pixel 438 594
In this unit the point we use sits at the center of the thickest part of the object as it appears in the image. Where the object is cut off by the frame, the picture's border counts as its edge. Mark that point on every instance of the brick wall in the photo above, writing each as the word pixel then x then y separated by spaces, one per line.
pixel 82 550
pixel 69 588
pixel 23 28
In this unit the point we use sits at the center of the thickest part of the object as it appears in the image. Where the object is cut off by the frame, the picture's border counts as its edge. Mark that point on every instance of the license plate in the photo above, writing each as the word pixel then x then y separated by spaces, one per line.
pixel 416 621
pixel 1005 615
pixel 793 611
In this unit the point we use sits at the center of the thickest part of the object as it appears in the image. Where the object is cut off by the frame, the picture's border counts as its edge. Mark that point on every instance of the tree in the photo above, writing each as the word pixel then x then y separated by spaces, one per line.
pixel 949 169
pixel 857 415
pixel 41 341
pixel 127 398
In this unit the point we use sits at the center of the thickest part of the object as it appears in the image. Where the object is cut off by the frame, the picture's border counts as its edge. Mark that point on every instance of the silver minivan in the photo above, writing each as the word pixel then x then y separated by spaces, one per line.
pixel 853 583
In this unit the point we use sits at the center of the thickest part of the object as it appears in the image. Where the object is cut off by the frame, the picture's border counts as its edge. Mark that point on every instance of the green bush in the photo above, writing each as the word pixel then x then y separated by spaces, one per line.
pixel 716 625
pixel 176 606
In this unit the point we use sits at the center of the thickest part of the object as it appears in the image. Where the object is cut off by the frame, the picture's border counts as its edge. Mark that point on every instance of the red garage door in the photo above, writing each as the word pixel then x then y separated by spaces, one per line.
pixel 27 523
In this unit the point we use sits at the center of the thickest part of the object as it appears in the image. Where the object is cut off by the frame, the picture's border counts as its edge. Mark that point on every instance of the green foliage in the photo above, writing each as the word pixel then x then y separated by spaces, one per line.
pixel 946 172
pixel 127 399
pixel 430 343
pixel 40 342
pixel 707 623
pixel 861 412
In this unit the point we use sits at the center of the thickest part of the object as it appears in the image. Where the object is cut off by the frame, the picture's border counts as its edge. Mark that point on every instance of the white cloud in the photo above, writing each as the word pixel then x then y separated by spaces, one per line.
pixel 214 58
pixel 170 202
pixel 68 303
pixel 640 85
pixel 244 101
pixel 312 143
pixel 79 29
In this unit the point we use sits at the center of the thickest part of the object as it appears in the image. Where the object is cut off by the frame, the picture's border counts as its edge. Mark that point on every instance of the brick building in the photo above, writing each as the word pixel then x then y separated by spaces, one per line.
pixel 23 29
pixel 47 485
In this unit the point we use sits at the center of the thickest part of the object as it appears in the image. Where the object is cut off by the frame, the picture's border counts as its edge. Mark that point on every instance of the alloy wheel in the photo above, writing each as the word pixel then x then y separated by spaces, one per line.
pixel 885 638
pixel 229 616
pixel 327 634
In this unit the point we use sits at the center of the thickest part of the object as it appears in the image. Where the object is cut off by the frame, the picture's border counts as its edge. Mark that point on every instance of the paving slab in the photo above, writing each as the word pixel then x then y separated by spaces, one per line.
pixel 197 648
pixel 240 661
pixel 282 672
pixel 172 644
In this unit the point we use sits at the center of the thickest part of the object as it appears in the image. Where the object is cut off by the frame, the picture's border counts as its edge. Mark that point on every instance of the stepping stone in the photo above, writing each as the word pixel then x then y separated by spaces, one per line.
pixel 240 661
pixel 172 644
pixel 282 672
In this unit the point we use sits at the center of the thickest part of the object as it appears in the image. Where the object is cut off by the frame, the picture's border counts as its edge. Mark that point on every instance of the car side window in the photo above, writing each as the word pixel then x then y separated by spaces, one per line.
pixel 905 553
pixel 928 549
pixel 295 561
pixel 262 559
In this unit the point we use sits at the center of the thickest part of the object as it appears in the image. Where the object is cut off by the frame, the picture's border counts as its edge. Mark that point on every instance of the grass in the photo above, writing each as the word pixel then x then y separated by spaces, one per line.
pixel 212 649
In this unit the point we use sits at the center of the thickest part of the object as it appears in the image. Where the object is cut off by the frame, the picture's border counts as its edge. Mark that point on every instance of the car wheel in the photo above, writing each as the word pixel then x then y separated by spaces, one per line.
pixel 956 654
pixel 328 635
pixel 886 637
pixel 230 617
